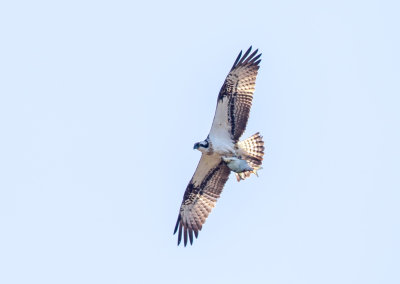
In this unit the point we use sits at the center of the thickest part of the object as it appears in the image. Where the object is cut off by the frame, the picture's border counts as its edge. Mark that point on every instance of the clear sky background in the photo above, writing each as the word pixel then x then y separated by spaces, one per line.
pixel 102 101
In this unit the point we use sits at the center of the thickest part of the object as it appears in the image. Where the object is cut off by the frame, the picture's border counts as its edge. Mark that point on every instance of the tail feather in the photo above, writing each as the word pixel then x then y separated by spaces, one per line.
pixel 252 150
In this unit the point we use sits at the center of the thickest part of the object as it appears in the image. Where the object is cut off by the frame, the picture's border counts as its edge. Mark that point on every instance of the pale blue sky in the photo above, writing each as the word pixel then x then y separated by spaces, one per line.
pixel 102 101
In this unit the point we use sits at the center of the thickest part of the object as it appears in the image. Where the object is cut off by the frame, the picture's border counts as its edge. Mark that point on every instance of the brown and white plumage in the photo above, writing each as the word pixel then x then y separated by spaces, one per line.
pixel 235 97
pixel 252 150
pixel 201 195
pixel 230 120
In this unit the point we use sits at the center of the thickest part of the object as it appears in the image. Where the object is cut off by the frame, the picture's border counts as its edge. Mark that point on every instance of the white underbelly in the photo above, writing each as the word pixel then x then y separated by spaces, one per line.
pixel 223 148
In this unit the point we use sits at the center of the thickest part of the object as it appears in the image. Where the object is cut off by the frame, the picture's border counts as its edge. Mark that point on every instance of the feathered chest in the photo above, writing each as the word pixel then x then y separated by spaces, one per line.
pixel 222 146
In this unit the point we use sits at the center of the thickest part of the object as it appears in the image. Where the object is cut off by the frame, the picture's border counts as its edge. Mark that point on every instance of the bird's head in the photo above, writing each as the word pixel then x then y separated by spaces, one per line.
pixel 202 146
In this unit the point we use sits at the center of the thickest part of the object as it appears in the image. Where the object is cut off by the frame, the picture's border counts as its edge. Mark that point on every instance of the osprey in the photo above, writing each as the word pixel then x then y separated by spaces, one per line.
pixel 222 152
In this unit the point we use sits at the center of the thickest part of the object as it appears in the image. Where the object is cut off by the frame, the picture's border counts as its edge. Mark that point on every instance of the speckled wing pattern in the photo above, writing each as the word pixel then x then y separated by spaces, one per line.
pixel 238 88
pixel 200 197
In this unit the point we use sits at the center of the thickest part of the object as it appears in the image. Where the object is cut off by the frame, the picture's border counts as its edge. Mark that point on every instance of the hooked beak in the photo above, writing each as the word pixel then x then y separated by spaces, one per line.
pixel 196 146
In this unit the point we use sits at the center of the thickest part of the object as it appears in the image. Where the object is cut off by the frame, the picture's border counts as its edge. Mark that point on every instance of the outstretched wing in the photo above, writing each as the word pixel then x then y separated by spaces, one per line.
pixel 200 196
pixel 235 98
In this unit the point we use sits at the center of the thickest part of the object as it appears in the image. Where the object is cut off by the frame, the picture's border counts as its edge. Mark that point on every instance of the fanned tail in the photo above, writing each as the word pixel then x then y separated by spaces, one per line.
pixel 252 150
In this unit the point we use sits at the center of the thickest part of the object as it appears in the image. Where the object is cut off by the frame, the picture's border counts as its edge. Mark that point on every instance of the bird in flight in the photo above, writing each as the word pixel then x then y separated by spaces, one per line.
pixel 222 151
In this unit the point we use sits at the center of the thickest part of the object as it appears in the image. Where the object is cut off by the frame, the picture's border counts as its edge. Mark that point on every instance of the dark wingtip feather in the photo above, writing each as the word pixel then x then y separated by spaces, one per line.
pixel 180 234
pixel 177 223
pixel 245 55
pixel 237 60
pixel 250 57
pixel 191 236
pixel 185 235
pixel 257 62
pixel 255 58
